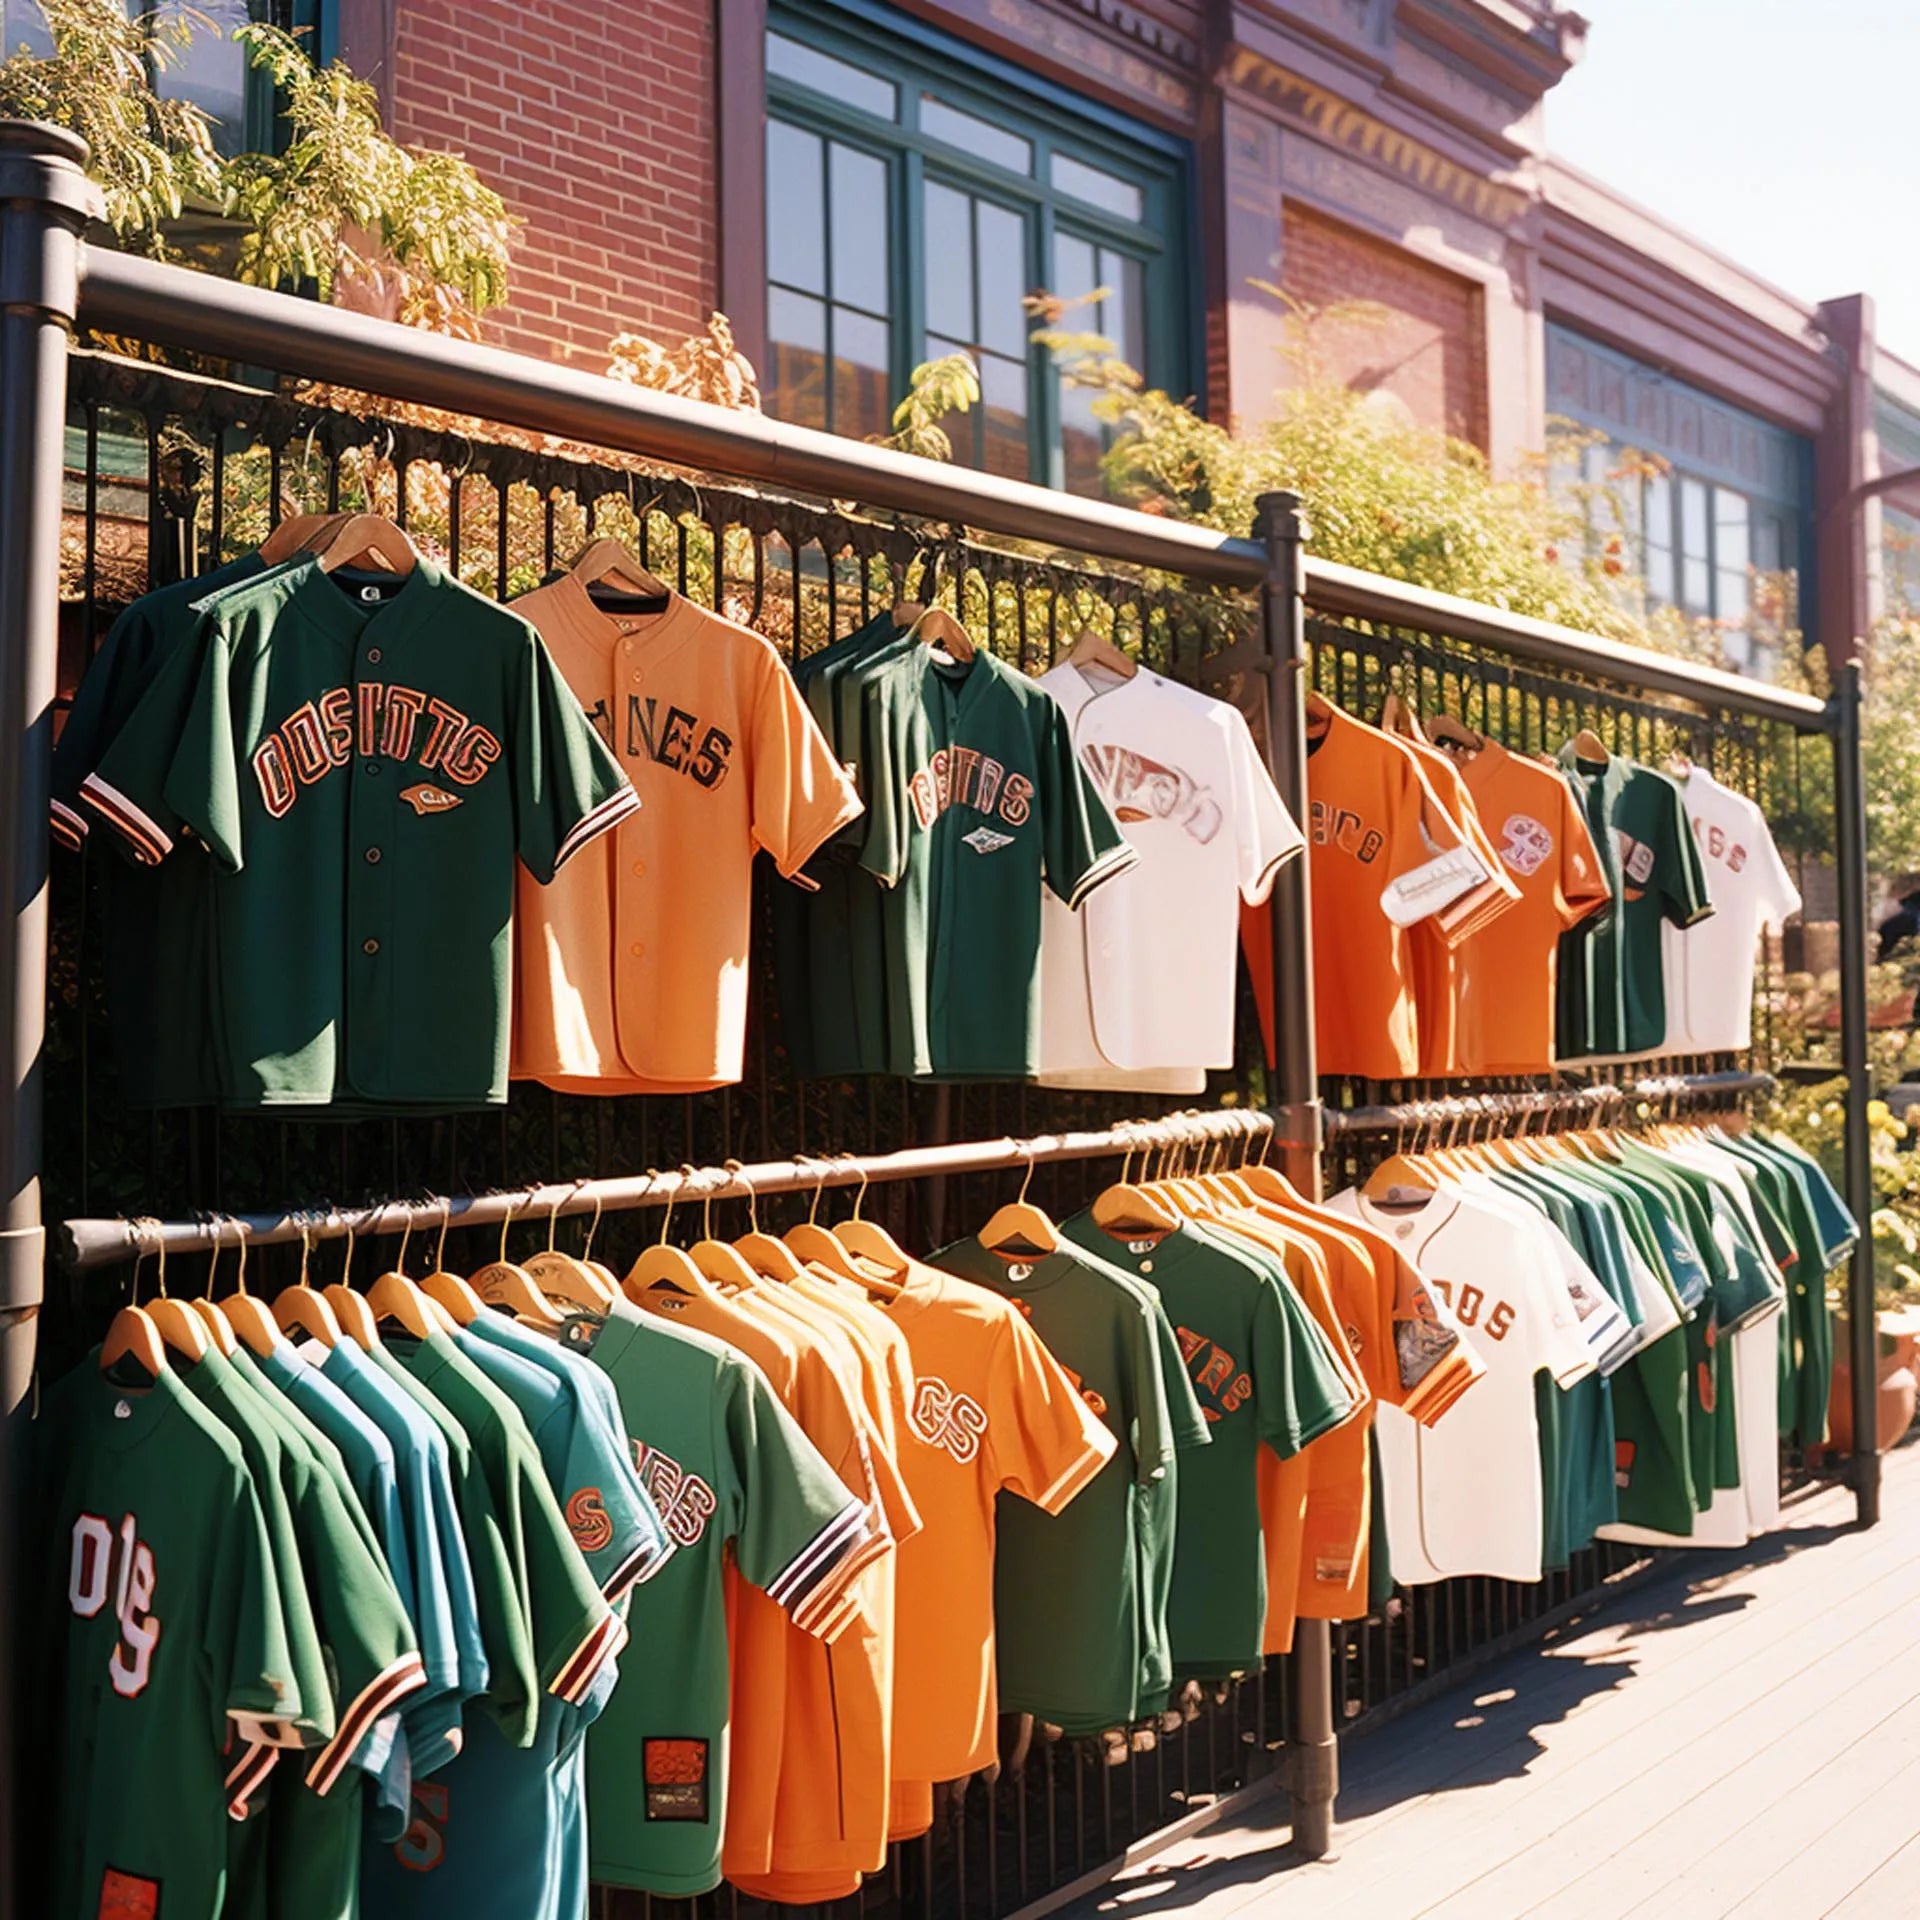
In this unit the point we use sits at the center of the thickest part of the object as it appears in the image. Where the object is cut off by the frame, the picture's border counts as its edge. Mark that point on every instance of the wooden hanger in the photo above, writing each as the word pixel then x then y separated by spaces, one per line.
pixel 815 1245
pixel 395 1299
pixel 935 626
pixel 607 559
pixel 770 1258
pixel 448 1291
pixel 1587 745
pixel 304 1309
pixel 724 1265
pixel 351 1309
pixel 663 1269
pixel 366 536
pixel 1019 1231
pixel 1401 717
pixel 132 1336
pixel 1093 649
pixel 245 1313
pixel 214 1324
pixel 1126 1208
pixel 505 1283
pixel 296 533
pixel 1443 730
pixel 180 1328
pixel 873 1254
pixel 561 1277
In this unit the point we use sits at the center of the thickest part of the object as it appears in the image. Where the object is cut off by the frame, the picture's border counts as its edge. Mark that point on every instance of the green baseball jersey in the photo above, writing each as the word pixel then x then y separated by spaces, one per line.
pixel 158 961
pixel 160 1643
pixel 1092 1563
pixel 363 758
pixel 726 1467
pixel 1611 985
pixel 977 803
pixel 1263 1373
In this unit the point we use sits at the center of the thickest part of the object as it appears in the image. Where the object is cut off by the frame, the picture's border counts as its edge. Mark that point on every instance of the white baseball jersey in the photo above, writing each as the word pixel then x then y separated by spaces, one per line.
pixel 1464 1496
pixel 1137 987
pixel 1709 966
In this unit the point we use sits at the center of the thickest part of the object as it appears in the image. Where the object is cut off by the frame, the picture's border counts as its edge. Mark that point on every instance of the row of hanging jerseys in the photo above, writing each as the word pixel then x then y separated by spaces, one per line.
pixel 457 1595
pixel 1480 911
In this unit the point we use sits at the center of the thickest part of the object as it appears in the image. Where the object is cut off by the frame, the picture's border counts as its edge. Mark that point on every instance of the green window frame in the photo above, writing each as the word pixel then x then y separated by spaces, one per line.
pixel 916 192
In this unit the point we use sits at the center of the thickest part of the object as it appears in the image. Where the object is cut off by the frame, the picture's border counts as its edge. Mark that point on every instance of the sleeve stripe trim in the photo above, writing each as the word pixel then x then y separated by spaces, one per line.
pixel 1079 1471
pixel 798 1578
pixel 601 1644
pixel 629 1573
pixel 609 813
pixel 827 1610
pixel 380 1694
pixel 1109 867
pixel 68 826
pixel 149 841
pixel 247 1777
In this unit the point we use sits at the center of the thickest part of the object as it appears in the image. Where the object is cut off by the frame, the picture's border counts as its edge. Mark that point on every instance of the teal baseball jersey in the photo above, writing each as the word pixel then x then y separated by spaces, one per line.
pixel 1263 1374
pixel 158 960
pixel 160 1643
pixel 977 803
pixel 363 758
pixel 726 1467
pixel 1611 981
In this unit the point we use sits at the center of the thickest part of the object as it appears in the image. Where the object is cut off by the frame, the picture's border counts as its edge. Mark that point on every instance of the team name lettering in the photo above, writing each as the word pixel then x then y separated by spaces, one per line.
pixel 685 1502
pixel 954 1422
pixel 424 1844
pixel 1341 827
pixel 1472 1308
pixel 668 739
pixel 1526 845
pixel 1138 788
pixel 373 720
pixel 589 1522
pixel 1719 844
pixel 105 1563
pixel 965 777
pixel 1215 1373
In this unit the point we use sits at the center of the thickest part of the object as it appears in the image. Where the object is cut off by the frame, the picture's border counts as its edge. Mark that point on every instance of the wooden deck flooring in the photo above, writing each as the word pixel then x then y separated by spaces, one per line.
pixel 1739 1735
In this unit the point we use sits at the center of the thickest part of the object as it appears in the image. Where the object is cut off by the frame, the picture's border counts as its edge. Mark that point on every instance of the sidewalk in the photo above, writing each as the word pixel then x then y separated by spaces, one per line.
pixel 1739 1736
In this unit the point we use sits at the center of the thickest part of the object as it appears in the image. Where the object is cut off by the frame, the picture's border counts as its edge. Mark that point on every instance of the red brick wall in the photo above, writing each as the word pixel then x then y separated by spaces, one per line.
pixel 1428 344
pixel 596 123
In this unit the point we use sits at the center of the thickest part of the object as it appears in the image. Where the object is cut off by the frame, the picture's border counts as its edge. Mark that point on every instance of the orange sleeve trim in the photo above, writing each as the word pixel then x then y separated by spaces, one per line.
pixel 1080 1470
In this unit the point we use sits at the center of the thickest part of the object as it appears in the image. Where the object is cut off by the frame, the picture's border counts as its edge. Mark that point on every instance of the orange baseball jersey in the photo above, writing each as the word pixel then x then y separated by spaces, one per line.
pixel 631 975
pixel 1508 968
pixel 992 1410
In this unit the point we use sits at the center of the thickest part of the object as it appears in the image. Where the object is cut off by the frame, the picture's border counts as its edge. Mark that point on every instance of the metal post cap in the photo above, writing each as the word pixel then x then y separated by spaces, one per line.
pixel 39 161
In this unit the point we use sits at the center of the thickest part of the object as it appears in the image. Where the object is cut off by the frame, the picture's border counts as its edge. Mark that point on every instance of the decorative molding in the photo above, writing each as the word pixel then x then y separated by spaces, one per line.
pixel 1109 46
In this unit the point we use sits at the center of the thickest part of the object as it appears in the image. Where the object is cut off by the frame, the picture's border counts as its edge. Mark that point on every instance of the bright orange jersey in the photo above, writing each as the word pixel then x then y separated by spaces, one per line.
pixel 631 970
pixel 1507 969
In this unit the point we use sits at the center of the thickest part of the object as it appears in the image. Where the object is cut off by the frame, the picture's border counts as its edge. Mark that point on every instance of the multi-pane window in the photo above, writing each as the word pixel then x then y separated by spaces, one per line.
pixel 915 201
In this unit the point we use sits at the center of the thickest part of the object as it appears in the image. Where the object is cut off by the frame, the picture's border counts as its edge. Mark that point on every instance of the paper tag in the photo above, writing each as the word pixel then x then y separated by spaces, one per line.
pixel 675 1772
pixel 1432 886
pixel 126 1896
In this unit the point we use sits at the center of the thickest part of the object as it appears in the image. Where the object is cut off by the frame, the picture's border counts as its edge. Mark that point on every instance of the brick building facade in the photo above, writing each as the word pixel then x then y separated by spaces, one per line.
pixel 860 184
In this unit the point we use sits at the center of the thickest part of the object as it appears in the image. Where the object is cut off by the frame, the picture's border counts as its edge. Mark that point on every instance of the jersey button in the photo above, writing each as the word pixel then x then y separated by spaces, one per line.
pixel 373 856
pixel 373 656
pixel 638 949
pixel 369 946
pixel 373 766
pixel 639 869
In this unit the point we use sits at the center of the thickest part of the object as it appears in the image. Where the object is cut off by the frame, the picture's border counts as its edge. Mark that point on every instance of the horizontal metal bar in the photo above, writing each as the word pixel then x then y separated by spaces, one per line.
pixel 1348 593
pixel 174 306
pixel 147 300
pixel 84 1244
pixel 1591 1100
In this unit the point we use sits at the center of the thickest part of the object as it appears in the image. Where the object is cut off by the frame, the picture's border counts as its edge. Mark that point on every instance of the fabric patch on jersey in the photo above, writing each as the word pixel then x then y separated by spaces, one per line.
pixel 1139 788
pixel 589 1522
pixel 1420 1346
pixel 952 1421
pixel 127 1896
pixel 985 840
pixel 1337 1568
pixel 676 1776
pixel 1623 1453
pixel 425 798
pixel 1636 860
pixel 1526 844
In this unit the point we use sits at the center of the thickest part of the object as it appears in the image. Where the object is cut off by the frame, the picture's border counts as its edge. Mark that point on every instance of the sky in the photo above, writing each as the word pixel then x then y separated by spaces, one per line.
pixel 1786 136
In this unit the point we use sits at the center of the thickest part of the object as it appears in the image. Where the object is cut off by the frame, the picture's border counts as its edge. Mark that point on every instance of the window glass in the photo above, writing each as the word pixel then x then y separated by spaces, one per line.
pixel 26 29
pixel 859 201
pixel 971 134
pixel 210 71
pixel 949 250
pixel 1659 518
pixel 1695 555
pixel 1098 188
pixel 796 208
pixel 797 336
pixel 838 79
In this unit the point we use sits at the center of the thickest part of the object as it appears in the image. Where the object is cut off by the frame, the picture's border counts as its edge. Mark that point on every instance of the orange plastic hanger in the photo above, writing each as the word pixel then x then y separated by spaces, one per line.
pixel 814 1244
pixel 1019 1231
pixel 448 1291
pixel 771 1258
pixel 504 1283
pixel 350 1308
pixel 244 1312
pixel 724 1265
pixel 304 1309
pixel 876 1258
pixel 179 1327
pixel 562 1277
pixel 664 1269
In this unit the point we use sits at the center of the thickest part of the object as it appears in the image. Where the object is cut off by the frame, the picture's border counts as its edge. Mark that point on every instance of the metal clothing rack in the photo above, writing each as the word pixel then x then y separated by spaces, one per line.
pixel 1595 1104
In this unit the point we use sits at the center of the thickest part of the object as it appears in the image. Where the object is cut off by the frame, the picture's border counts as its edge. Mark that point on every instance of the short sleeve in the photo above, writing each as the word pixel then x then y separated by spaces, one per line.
pixel 1267 834
pixel 1042 1439
pixel 1681 875
pixel 1299 1390
pixel 172 766
pixel 1778 898
pixel 500 1608
pixel 799 1536
pixel 608 1512
pixel 108 692
pixel 1558 1343
pixel 245 1644
pixel 1082 843
pixel 1582 884
pixel 801 793
pixel 567 786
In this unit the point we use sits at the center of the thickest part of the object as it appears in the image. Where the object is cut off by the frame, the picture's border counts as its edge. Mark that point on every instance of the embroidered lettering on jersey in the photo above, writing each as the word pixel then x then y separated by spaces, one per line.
pixel 371 721
pixel 954 1422
pixel 1343 828
pixel 1636 862
pixel 588 1521
pixel 118 1565
pixel 1142 789
pixel 427 798
pixel 1473 1307
pixel 1525 844
pixel 678 740
pixel 965 777
pixel 1215 1373
pixel 685 1502
pixel 1718 844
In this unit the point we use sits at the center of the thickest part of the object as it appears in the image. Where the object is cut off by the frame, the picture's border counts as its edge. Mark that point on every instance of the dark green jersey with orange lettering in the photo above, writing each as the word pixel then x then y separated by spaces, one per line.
pixel 364 757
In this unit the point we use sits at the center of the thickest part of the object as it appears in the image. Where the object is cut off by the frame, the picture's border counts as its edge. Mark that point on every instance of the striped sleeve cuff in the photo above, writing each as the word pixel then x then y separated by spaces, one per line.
pixel 609 813
pixel 69 826
pixel 1080 1469
pixel 379 1696
pixel 641 1564
pixel 815 1578
pixel 251 1766
pixel 576 1677
pixel 143 833
pixel 1109 866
